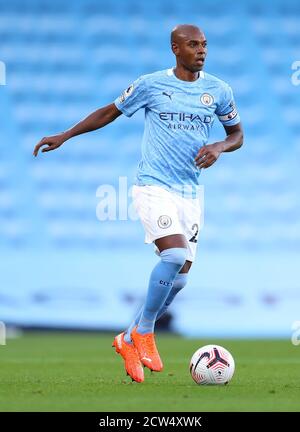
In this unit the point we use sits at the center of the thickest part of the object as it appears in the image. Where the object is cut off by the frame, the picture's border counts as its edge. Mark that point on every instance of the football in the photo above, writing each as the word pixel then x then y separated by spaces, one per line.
pixel 212 364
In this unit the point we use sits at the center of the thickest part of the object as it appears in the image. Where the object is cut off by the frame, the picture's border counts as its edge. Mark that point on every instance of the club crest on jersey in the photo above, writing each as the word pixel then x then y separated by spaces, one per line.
pixel 126 93
pixel 207 99
pixel 164 221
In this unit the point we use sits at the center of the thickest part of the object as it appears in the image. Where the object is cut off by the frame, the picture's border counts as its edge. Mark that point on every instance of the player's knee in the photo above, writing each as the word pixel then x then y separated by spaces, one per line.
pixel 175 256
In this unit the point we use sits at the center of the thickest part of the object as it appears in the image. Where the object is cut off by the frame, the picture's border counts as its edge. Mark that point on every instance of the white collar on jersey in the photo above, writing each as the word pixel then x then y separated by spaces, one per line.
pixel 170 72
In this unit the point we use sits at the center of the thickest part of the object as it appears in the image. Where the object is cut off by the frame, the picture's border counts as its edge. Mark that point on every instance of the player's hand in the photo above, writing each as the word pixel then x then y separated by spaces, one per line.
pixel 53 142
pixel 208 155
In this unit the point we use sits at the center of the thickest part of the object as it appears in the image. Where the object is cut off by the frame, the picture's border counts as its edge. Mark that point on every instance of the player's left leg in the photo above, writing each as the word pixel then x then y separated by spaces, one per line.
pixel 178 284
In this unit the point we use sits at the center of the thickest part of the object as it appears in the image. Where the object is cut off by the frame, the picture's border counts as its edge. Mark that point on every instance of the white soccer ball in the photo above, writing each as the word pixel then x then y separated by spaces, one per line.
pixel 212 364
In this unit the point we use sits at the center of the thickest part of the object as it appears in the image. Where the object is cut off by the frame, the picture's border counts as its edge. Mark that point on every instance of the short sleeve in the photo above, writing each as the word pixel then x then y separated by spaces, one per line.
pixel 226 110
pixel 133 98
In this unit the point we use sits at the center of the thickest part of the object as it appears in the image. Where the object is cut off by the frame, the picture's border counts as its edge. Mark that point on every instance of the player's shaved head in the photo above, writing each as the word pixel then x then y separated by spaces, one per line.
pixel 188 43
pixel 184 31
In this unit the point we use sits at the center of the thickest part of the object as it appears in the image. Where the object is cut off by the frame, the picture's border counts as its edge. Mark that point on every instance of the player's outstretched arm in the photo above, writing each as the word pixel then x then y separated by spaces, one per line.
pixel 208 154
pixel 95 120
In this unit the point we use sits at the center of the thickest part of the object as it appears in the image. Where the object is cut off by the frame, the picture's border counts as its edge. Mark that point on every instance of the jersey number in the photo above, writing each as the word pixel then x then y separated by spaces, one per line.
pixel 194 238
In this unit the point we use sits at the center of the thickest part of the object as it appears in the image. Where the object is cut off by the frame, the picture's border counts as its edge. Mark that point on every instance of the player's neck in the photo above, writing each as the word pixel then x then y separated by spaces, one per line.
pixel 185 75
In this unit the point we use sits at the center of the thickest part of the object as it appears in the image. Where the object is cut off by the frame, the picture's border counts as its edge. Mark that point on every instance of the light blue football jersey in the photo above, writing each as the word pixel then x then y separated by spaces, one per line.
pixel 178 119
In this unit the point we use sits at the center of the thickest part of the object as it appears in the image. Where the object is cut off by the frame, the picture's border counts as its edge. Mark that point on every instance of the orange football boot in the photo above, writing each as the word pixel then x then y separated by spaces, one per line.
pixel 145 345
pixel 133 366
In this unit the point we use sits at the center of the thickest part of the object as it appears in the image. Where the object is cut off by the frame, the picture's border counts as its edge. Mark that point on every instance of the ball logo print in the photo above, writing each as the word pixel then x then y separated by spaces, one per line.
pixel 212 364
pixel 207 99
pixel 164 221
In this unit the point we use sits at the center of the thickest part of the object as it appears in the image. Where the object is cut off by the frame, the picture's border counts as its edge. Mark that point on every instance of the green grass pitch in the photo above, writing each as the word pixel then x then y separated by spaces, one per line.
pixel 81 372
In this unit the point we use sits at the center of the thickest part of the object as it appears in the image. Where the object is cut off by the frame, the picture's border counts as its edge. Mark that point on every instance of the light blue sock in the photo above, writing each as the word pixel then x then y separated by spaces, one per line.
pixel 160 285
pixel 179 283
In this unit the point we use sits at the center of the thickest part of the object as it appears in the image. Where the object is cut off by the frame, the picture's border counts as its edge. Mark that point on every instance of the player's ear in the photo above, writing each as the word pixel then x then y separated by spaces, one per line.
pixel 175 48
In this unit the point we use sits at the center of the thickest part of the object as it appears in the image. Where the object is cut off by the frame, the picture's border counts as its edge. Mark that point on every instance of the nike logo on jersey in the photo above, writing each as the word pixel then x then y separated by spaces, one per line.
pixel 146 358
pixel 168 94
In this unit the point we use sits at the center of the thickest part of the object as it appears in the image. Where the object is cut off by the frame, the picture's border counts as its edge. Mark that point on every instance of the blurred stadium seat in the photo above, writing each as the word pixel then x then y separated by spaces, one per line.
pixel 66 59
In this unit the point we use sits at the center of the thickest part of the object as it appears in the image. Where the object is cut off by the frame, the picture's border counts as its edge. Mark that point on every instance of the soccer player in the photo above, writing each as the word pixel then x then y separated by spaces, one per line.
pixel 180 106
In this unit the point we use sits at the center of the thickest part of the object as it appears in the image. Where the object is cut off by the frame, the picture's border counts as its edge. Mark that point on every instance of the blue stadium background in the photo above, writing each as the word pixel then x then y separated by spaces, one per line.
pixel 60 266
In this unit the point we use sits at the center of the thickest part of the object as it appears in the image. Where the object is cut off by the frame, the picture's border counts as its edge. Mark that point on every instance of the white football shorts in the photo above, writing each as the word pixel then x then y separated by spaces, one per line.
pixel 164 213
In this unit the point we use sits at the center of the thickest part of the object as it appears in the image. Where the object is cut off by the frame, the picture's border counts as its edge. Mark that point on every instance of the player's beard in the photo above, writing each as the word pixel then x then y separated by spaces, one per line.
pixel 199 67
pixel 193 67
pixel 196 68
